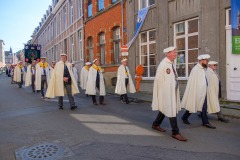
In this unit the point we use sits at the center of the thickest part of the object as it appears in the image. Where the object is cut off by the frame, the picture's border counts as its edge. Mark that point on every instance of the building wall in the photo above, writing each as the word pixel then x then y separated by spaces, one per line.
pixel 164 14
pixel 56 32
pixel 2 53
pixel 105 21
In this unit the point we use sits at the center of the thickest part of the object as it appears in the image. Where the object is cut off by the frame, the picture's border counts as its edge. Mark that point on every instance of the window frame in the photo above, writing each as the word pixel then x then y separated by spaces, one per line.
pixel 148 50
pixel 186 36
pixel 80 45
pixel 147 2
pixel 116 57
pixel 102 43
pixel 100 9
pixel 89 5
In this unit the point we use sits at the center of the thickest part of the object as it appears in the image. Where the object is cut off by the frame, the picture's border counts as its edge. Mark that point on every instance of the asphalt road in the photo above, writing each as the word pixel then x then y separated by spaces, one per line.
pixel 114 131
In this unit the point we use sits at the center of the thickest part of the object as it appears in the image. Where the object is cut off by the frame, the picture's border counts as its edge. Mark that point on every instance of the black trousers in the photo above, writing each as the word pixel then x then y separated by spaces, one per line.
pixel 33 83
pixel 68 88
pixel 125 96
pixel 43 81
pixel 101 98
pixel 20 83
pixel 173 122
pixel 204 116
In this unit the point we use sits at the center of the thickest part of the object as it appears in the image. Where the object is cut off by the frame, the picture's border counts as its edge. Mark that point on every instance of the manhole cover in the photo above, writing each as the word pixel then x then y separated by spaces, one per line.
pixel 44 151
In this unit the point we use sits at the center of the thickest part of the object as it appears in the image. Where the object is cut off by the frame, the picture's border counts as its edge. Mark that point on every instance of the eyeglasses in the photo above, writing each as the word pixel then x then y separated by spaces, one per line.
pixel 215 65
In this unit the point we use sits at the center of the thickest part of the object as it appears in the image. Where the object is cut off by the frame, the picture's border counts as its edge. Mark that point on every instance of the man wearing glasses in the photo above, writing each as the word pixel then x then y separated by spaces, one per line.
pixel 213 91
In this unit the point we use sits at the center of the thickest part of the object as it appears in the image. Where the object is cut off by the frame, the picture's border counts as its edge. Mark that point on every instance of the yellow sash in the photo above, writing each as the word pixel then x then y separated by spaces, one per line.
pixel 86 67
pixel 98 68
pixel 43 65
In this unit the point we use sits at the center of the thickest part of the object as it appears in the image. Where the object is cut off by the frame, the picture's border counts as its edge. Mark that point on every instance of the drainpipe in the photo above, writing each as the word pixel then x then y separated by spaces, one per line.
pixel 122 5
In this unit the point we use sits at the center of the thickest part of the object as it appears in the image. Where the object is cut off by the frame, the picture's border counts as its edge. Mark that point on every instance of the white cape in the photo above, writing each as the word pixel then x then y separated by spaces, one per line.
pixel 84 78
pixel 91 83
pixel 196 90
pixel 165 94
pixel 28 78
pixel 38 76
pixel 212 91
pixel 17 74
pixel 75 73
pixel 120 86
pixel 56 84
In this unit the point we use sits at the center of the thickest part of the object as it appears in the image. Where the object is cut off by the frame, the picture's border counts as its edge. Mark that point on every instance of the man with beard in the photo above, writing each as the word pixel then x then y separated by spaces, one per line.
pixel 195 96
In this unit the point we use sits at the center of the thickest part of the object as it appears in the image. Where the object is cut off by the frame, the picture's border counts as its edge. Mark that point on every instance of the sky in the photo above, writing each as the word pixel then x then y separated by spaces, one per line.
pixel 18 19
pixel 235 9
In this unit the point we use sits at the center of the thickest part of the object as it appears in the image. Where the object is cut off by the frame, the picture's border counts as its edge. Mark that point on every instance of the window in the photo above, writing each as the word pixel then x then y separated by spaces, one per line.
pixel 79 8
pixel 100 5
pixel 102 48
pixel 72 48
pixel 186 42
pixel 64 17
pixel 148 53
pixel 113 1
pixel 90 49
pixel 116 44
pixel 145 3
pixel 71 18
pixel 89 8
pixel 80 45
pixel 59 23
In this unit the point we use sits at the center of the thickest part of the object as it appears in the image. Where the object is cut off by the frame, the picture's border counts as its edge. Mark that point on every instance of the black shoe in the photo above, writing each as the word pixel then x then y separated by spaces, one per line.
pixel 128 102
pixel 33 91
pixel 185 121
pixel 60 107
pixel 73 107
pixel 95 103
pixel 102 103
pixel 209 126
pixel 223 120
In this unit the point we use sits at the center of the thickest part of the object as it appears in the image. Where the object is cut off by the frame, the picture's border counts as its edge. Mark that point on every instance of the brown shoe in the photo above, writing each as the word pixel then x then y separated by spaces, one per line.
pixel 179 137
pixel 158 128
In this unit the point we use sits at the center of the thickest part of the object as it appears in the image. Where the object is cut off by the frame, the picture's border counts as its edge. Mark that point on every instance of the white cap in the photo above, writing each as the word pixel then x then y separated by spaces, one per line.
pixel 88 63
pixel 19 61
pixel 63 54
pixel 169 49
pixel 43 57
pixel 124 59
pixel 203 56
pixel 212 62
pixel 95 60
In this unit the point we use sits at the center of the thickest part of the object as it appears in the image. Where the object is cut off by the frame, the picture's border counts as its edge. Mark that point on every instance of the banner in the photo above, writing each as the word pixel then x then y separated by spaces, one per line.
pixel 32 52
pixel 235 15
pixel 142 13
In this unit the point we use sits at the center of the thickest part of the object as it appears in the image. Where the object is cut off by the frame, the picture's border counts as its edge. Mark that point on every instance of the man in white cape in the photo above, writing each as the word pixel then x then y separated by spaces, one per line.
pixel 51 68
pixel 195 95
pixel 42 75
pixel 95 83
pixel 62 80
pixel 166 97
pixel 84 75
pixel 75 72
pixel 30 75
pixel 124 82
pixel 18 74
pixel 213 91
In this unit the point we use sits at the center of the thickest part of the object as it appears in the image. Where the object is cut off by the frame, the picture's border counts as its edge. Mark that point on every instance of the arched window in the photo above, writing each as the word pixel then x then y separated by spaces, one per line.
pixel 116 44
pixel 102 47
pixel 90 49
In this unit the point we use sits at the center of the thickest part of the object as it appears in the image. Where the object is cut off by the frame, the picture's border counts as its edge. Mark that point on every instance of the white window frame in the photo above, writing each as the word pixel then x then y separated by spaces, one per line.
pixel 185 36
pixel 80 8
pixel 102 42
pixel 147 2
pixel 72 48
pixel 116 40
pixel 80 45
pixel 148 57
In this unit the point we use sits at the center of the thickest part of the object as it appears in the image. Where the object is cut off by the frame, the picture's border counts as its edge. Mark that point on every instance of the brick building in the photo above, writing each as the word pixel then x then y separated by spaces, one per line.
pixel 105 33
pixel 61 30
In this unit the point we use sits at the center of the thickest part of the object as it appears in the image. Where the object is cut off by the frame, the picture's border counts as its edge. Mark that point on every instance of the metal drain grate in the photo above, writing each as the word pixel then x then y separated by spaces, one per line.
pixel 47 151
pixel 44 151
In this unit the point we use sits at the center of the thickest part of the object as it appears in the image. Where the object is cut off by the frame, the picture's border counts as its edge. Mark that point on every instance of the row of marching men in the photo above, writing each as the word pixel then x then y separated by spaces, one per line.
pixel 61 77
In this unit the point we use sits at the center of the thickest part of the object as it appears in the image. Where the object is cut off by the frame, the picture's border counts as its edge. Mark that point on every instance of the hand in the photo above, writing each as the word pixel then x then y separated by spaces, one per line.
pixel 65 79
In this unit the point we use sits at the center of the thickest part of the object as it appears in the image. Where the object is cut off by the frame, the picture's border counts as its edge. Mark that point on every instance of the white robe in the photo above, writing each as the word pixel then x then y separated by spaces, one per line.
pixel 74 69
pixel 28 78
pixel 120 86
pixel 56 84
pixel 165 94
pixel 38 76
pixel 196 90
pixel 17 74
pixel 212 91
pixel 50 71
pixel 84 78
pixel 91 83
